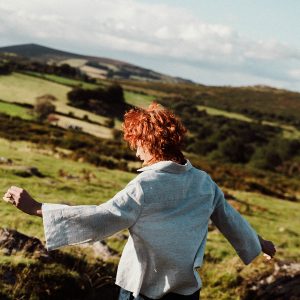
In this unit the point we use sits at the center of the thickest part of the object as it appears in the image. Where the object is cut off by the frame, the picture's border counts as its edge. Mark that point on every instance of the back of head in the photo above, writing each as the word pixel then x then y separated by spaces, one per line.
pixel 156 129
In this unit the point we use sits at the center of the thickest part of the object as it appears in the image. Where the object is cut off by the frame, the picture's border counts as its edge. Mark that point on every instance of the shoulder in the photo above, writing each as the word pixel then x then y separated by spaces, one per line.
pixel 201 174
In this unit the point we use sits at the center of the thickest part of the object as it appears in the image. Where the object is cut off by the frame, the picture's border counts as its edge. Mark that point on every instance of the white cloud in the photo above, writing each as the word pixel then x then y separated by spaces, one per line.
pixel 295 73
pixel 155 31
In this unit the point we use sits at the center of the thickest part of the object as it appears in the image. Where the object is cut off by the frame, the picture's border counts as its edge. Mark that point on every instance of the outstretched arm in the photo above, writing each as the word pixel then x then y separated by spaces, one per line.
pixel 236 229
pixel 70 225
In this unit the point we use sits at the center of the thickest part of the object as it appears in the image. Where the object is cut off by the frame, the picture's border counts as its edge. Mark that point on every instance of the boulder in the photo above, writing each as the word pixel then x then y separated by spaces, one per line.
pixel 282 284
pixel 12 241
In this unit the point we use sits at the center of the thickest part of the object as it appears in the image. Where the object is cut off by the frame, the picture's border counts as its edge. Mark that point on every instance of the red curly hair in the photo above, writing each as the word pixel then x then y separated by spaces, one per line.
pixel 156 129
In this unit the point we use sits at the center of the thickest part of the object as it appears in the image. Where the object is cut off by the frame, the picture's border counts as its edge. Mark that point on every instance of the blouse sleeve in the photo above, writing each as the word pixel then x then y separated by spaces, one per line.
pixel 71 225
pixel 235 228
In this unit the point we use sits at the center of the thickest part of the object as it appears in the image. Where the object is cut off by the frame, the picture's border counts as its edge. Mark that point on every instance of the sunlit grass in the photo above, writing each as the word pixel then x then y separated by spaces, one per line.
pixel 94 129
pixel 64 80
pixel 25 89
pixel 288 131
pixel 139 100
pixel 15 110
pixel 222 271
pixel 52 188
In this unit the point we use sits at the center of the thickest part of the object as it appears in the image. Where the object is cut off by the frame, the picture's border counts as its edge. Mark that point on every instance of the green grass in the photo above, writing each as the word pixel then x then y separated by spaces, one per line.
pixel 274 219
pixel 15 110
pixel 280 224
pixel 288 131
pixel 138 100
pixel 218 112
pixel 52 188
pixel 25 89
pixel 132 98
pixel 64 81
pixel 63 121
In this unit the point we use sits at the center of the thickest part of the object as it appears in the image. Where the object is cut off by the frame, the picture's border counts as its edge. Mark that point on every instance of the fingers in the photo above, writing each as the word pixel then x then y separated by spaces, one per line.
pixel 15 189
pixel 7 199
pixel 12 195
pixel 269 250
pixel 268 257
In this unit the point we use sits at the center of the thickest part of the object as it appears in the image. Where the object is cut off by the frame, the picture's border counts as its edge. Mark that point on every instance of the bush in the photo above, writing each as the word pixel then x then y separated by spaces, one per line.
pixel 266 158
pixel 110 123
pixel 42 109
pixel 234 150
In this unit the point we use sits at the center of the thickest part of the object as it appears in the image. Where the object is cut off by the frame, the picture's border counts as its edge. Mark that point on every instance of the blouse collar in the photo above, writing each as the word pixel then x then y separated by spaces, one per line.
pixel 168 166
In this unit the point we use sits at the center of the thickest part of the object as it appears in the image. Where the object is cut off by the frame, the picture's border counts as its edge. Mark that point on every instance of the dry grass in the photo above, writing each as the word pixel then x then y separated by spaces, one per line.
pixel 93 129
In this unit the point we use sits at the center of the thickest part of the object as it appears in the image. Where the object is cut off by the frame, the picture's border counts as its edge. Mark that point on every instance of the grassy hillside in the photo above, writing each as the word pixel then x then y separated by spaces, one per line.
pixel 71 188
pixel 22 88
pixel 25 89
pixel 289 132
pixel 15 110
pixel 255 101
pixel 133 98
pixel 267 198
pixel 95 67
pixel 65 181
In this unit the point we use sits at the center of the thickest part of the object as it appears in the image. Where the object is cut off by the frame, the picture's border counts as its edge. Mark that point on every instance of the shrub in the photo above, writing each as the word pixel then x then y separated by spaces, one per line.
pixel 43 108
pixel 234 150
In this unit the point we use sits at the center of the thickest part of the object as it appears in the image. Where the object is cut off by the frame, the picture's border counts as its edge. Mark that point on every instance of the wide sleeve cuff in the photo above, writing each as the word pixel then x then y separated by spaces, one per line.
pixel 54 227
pixel 249 254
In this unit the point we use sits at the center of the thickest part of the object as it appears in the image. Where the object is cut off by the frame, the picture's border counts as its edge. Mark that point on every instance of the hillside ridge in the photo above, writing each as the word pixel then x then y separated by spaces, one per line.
pixel 94 66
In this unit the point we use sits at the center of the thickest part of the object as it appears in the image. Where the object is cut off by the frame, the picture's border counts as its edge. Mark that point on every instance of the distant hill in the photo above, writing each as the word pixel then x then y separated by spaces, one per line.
pixel 257 102
pixel 96 67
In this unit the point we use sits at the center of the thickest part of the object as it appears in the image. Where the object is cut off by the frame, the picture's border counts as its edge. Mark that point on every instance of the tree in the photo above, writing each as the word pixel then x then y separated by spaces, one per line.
pixel 42 109
pixel 115 93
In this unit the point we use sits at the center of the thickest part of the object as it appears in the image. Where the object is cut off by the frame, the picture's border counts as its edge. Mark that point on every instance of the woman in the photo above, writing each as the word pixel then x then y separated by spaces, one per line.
pixel 166 208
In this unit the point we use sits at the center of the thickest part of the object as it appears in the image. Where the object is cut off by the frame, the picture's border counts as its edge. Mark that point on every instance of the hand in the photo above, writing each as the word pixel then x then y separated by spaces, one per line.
pixel 23 201
pixel 267 247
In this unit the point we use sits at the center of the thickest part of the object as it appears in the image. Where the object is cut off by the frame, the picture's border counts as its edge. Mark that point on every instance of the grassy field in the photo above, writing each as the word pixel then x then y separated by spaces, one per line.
pixel 93 129
pixel 274 219
pixel 25 89
pixel 139 100
pixel 52 188
pixel 218 112
pixel 74 62
pixel 136 99
pixel 15 110
pixel 289 132
pixel 63 121
pixel 64 81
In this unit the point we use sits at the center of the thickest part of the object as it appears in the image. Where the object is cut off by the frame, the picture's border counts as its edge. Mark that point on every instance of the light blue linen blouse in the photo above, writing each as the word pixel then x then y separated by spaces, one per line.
pixel 166 208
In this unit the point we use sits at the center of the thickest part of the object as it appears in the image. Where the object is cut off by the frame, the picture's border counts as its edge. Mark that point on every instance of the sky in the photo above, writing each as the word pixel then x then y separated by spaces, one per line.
pixel 213 42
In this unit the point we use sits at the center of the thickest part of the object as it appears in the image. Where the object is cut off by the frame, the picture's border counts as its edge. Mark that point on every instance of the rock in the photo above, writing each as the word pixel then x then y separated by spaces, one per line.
pixel 101 249
pixel 4 160
pixel 282 284
pixel 12 241
pixel 60 275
